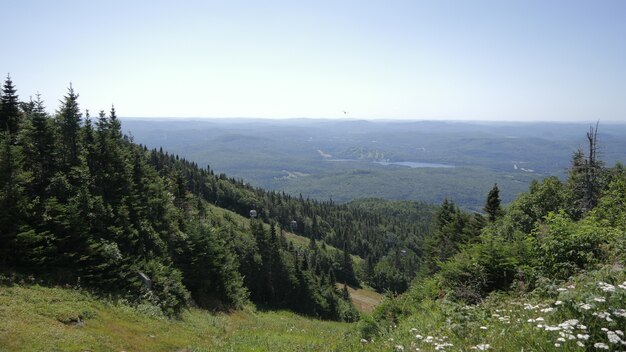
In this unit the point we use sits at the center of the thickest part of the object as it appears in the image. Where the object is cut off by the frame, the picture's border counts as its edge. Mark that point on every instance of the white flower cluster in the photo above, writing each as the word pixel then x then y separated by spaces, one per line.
pixel 439 343
pixel 482 347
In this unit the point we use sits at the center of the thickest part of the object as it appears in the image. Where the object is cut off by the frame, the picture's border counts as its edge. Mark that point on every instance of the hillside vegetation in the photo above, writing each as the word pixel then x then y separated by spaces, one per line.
pixel 36 318
pixel 81 204
pixel 546 273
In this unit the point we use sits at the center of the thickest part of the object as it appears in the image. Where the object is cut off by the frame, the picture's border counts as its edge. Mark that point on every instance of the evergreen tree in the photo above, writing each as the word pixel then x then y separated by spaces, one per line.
pixel 69 118
pixel 9 108
pixel 492 205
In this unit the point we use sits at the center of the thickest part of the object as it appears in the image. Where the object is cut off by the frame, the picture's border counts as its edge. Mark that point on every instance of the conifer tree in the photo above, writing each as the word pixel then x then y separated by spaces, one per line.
pixel 492 205
pixel 69 118
pixel 9 108
pixel 39 148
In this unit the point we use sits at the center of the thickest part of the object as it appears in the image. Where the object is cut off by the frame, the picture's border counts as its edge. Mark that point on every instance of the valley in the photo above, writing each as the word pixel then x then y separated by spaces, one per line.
pixel 408 160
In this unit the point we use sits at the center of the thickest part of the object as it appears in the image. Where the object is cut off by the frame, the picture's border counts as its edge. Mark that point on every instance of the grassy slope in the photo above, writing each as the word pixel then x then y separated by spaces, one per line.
pixel 364 299
pixel 31 320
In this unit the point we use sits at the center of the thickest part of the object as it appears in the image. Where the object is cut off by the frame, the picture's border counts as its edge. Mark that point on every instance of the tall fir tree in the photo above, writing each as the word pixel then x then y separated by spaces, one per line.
pixel 69 118
pixel 492 205
pixel 9 108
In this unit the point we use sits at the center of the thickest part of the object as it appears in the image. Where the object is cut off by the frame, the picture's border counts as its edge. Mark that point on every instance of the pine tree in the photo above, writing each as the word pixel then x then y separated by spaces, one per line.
pixel 39 149
pixel 9 108
pixel 492 205
pixel 69 118
pixel 13 202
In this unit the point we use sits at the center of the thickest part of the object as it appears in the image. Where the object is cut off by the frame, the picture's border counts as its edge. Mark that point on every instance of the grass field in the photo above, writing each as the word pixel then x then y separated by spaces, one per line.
pixel 364 299
pixel 35 318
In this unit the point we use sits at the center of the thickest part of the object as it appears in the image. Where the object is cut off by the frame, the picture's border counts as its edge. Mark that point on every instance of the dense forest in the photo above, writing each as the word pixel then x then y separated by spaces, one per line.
pixel 81 204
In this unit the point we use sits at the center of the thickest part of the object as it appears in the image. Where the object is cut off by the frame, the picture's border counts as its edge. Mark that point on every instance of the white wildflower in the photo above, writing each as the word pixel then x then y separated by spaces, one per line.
pixel 557 345
pixel 606 287
pixel 585 306
pixel 620 313
pixel 399 348
pixel 530 320
pixel 580 344
pixel 413 330
pixel 539 319
pixel 599 299
pixel 571 287
pixel 548 310
pixel 558 303
pixel 561 289
pixel 613 337
pixel 619 332
pixel 560 339
pixel 601 345
pixel 582 337
pixel 483 328
pixel 419 337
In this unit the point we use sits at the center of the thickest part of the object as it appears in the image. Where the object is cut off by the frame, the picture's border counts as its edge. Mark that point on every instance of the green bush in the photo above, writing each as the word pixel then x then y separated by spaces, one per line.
pixel 563 247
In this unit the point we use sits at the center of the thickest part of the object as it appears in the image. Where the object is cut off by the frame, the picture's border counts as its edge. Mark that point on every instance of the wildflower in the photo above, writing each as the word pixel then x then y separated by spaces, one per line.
pixel 442 346
pixel 363 341
pixel 399 348
pixel 603 315
pixel 548 310
pixel 530 320
pixel 483 328
pixel 560 339
pixel 569 324
pixel 620 313
pixel 599 299
pixel 619 332
pixel 482 347
pixel 571 287
pixel 601 345
pixel 558 303
pixel 581 327
pixel 539 319
pixel 561 289
pixel 580 344
pixel 613 337
pixel 419 337
pixel 557 345
pixel 606 287
pixel 585 306
pixel 413 330
pixel 582 337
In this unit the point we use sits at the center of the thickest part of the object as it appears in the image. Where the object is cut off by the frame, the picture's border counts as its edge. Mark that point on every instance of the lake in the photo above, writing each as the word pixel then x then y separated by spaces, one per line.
pixel 413 164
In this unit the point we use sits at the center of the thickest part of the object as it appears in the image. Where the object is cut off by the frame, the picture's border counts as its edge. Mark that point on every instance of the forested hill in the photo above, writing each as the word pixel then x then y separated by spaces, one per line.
pixel 81 204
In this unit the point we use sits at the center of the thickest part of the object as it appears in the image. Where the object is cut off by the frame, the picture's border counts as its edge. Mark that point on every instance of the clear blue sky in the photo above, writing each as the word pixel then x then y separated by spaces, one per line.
pixel 479 60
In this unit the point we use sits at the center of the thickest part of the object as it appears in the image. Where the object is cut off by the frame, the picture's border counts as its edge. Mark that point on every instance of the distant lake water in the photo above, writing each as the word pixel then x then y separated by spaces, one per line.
pixel 411 164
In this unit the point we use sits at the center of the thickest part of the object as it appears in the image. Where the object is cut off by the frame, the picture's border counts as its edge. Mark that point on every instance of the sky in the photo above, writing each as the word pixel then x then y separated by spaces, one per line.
pixel 531 60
